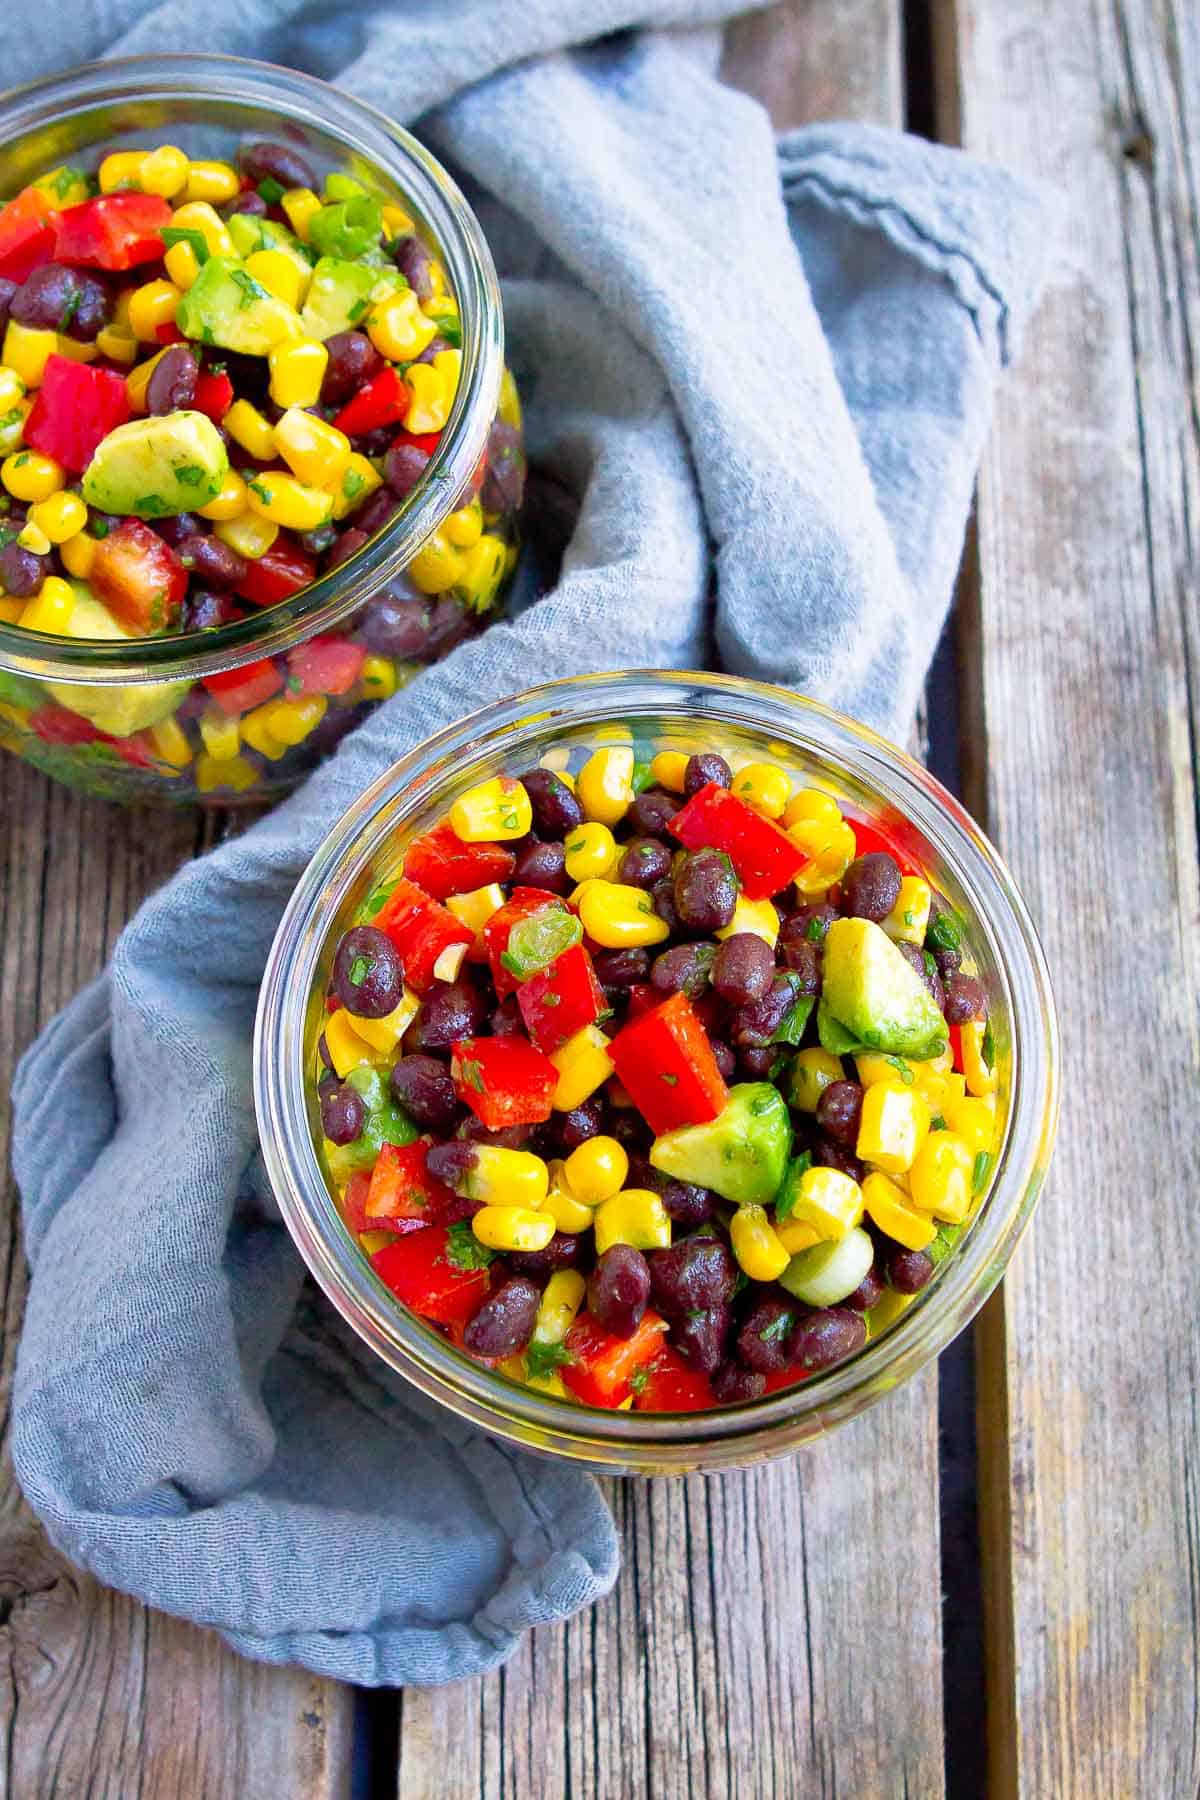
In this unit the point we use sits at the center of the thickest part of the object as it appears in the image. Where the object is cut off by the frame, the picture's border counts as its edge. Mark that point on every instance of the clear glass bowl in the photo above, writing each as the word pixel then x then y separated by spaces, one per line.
pixel 687 712
pixel 206 105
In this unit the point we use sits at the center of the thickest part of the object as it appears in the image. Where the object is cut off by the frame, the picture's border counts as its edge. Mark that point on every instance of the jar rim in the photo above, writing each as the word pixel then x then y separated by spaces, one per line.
pixel 625 1442
pixel 230 82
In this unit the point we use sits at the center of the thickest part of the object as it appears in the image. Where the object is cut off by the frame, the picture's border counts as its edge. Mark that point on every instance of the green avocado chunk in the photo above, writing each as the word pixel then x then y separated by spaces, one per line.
pixel 869 989
pixel 225 305
pixel 122 709
pixel 250 234
pixel 340 295
pixel 741 1154
pixel 155 467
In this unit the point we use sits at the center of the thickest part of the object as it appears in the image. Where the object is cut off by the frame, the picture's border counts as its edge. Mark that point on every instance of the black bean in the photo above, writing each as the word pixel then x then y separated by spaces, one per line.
pixel 432 350
pixel 544 866
pixel 412 258
pixel 828 1155
pixel 757 1061
pixel 683 969
pixel 762 1342
pixel 866 1294
pixel 211 561
pixel 702 769
pixel 508 1137
pixel 403 468
pixel 618 1289
pixel 732 1382
pixel 566 1250
pixel 316 542
pixel 696 1273
pixel 686 1204
pixel 423 1087
pixel 645 863
pixel 630 1130
pixel 451 1163
pixel 556 811
pixel 663 897
pixel 706 890
pixel 965 999
pixel 55 298
pixel 7 290
pixel 743 969
pixel 343 1113
pixel 367 977
pixel 871 886
pixel 323 1053
pixel 205 611
pixel 582 1122
pixel 948 962
pixel 506 1020
pixel 753 1027
pixel 174 529
pixel 839 1112
pixel 826 1337
pixel 924 965
pixel 276 162
pixel 250 203
pixel 908 1270
pixel 504 1323
pixel 701 1337
pixel 21 571
pixel 724 1058
pixel 651 811
pixel 451 1010
pixel 807 924
pixel 374 513
pixel 621 968
pixel 449 623
pixel 397 627
pixel 504 482
pixel 172 384
pixel 353 360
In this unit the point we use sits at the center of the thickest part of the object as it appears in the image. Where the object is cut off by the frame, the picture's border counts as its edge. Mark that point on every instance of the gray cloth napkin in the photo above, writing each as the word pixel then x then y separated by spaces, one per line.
pixel 774 359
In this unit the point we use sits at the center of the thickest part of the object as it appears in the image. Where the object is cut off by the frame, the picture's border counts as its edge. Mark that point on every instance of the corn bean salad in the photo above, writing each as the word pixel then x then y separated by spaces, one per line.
pixel 218 380
pixel 656 1084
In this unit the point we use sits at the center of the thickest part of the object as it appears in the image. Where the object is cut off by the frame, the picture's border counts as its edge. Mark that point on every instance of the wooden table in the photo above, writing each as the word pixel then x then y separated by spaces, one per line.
pixel 782 1633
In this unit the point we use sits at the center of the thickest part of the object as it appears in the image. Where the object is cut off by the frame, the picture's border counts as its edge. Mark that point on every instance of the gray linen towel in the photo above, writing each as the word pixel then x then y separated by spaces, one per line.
pixel 774 359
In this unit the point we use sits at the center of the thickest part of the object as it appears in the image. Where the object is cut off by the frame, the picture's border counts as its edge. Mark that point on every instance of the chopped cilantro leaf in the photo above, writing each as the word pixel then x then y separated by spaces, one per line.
pixel 463 1248
pixel 988 1046
pixel 353 484
pixel 270 190
pixel 543 1359
pixel 471 1071
pixel 778 1328
pixel 639 1380
pixel 378 898
pixel 983 1164
pixel 902 1069
pixel 191 474
pixel 360 968
pixel 671 1080
pixel 251 290
pixel 798 1166
pixel 937 1123
pixel 196 241
pixel 815 930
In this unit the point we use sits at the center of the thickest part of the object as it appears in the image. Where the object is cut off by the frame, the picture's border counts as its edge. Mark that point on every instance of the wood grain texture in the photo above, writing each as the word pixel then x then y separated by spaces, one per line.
pixel 1087 632
pixel 98 1695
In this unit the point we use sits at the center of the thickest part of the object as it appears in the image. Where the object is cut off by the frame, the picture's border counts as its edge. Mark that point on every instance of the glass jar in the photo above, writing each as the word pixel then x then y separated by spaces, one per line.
pixel 687 712
pixel 410 592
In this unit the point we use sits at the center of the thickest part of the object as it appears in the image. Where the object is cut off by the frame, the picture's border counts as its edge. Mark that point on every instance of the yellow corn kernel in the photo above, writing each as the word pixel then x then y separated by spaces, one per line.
pixel 757 917
pixel 182 265
pixel 492 812
pixel 120 311
pixel 12 389
pixel 347 1049
pixel 279 275
pixel 873 1066
pixel 569 1214
pixel 512 1228
pixel 60 517
pixel 583 1065
pixel 28 475
pixel 215 182
pixel 247 427
pixel 138 380
pixel 379 678
pixel 248 533
pixel 51 607
pixel 78 555
pixel 604 785
pixel 359 480
pixel 796 1235
pixel 221 735
pixel 163 172
pixel 121 169
pixel 808 805
pixel 153 304
pixel 444 311
pixel 299 205
pixel 290 721
pixel 810 1074
pixel 67 185
pixel 510 401
pixel 32 537
pixel 886 1310
pixel 257 734
pixel 437 565
pixel 983 1077
pixel 974 1118
pixel 464 526
pixel 501 1177
pixel 895 1120
pixel 27 351
pixel 171 744
pixel 829 1201
pixel 765 787
pixel 74 351
pixel 437 279
pixel 11 612
pixel 635 1216
pixel 316 453
pixel 396 222
pixel 830 848
pixel 484 567
pixel 596 1169
pixel 668 769
pixel 232 501
pixel 940 1180
pixel 906 922
pixel 889 1208
pixel 384 1034
pixel 119 346
pixel 199 216
pixel 398 328
pixel 619 917
pixel 287 502
pixel 475 908
pixel 12 426
pixel 759 1252
pixel 561 1300
pixel 433 387
pixel 234 776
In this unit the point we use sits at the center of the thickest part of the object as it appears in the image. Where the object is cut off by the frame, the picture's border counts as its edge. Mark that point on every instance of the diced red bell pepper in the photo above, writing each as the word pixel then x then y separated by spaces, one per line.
pixel 325 665
pixel 878 834
pixel 403 1188
pixel 169 333
pixel 115 231
pixel 420 1270
pixel 442 864
pixel 666 1063
pixel 56 724
pixel 764 858
pixel 382 401
pixel 954 1037
pixel 238 690
pixel 423 930
pixel 137 751
pixel 522 903
pixel 561 999
pixel 139 578
pixel 426 441
pixel 354 1202
pixel 601 1366
pixel 26 234
pixel 668 1384
pixel 213 396
pixel 279 573
pixel 783 1378
pixel 76 406
pixel 504 1080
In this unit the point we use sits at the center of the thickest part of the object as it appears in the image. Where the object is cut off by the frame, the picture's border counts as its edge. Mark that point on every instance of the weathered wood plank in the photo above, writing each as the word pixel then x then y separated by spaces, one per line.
pixel 1087 632
pixel 773 1633
pixel 98 1695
